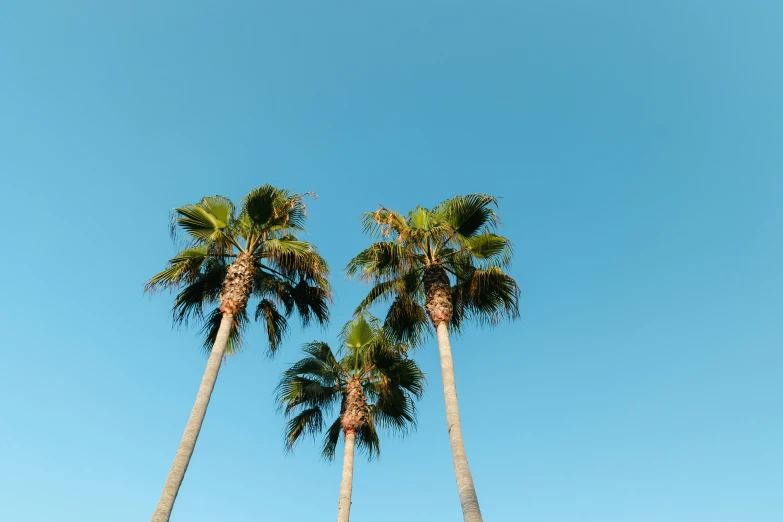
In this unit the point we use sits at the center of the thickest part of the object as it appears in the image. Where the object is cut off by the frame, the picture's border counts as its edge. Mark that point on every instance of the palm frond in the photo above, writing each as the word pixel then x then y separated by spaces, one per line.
pixel 287 245
pixel 295 391
pixel 275 323
pixel 212 325
pixel 382 261
pixel 359 331
pixel 311 302
pixel 272 210
pixel 220 207
pixel 469 214
pixel 307 264
pixel 406 320
pixel 383 222
pixel 489 249
pixel 367 441
pixel 422 219
pixel 181 268
pixel 397 414
pixel 203 227
pixel 203 290
pixel 323 353
pixel 331 439
pixel 307 422
pixel 405 374
pixel 389 380
pixel 259 205
pixel 486 296
pixel 389 290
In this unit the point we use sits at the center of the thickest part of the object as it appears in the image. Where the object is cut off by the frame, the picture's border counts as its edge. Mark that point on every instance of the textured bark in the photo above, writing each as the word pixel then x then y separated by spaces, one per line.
pixel 346 486
pixel 437 291
pixel 193 427
pixel 354 409
pixel 465 487
pixel 353 415
pixel 238 284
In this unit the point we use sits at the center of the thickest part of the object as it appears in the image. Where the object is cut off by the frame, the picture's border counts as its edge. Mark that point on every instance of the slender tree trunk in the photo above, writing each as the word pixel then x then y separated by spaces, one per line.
pixel 192 428
pixel 465 487
pixel 346 486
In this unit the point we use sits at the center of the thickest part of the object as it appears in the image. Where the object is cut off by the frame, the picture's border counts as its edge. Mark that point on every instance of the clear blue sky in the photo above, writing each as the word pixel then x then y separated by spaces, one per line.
pixel 637 150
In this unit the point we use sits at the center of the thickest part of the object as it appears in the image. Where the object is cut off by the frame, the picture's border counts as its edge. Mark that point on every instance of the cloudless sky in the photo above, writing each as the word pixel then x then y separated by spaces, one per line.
pixel 636 149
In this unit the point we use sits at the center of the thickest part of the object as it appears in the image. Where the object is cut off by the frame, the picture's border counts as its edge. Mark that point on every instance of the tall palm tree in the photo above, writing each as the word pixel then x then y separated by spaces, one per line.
pixel 228 258
pixel 374 383
pixel 444 267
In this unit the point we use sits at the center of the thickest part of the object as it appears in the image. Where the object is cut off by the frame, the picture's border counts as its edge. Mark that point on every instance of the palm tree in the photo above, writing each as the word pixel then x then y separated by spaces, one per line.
pixel 374 383
pixel 229 258
pixel 443 266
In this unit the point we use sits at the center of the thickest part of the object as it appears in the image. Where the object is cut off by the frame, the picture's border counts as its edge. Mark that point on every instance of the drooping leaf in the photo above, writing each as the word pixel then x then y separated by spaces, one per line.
pixel 212 325
pixel 274 322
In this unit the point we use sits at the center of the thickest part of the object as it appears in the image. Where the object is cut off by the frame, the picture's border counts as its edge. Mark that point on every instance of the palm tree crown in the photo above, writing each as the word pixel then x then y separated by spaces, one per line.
pixel 373 382
pixel 230 257
pixel 445 264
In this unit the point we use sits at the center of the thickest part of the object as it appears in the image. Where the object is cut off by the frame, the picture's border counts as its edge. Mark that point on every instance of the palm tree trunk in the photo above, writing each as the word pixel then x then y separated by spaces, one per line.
pixel 193 427
pixel 465 487
pixel 346 486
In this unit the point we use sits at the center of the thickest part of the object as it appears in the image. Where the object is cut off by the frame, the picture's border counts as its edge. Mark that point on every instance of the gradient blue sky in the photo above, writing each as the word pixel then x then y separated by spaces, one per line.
pixel 636 147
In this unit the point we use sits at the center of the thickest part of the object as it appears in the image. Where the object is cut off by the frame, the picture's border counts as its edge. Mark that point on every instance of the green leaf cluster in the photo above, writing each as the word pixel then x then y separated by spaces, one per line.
pixel 290 275
pixel 314 387
pixel 458 235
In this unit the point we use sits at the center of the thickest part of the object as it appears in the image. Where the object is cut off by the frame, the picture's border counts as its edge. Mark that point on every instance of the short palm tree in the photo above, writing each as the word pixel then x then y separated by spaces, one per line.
pixel 443 267
pixel 373 382
pixel 229 258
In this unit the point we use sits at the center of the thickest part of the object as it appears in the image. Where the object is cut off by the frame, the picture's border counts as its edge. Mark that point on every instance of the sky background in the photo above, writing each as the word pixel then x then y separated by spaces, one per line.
pixel 636 149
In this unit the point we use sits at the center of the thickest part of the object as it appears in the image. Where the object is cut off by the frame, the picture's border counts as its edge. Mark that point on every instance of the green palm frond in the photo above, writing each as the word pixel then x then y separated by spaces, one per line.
pixel 305 265
pixel 421 219
pixel 396 414
pixel 203 291
pixel 408 284
pixel 307 422
pixel 390 382
pixel 311 303
pixel 367 440
pixel 287 246
pixel 275 323
pixel 382 261
pixel 405 374
pixel 274 210
pixel 219 207
pixel 260 205
pixel 331 438
pixel 487 296
pixel 212 325
pixel 469 214
pixel 268 285
pixel 185 266
pixel 296 390
pixel 359 331
pixel 490 249
pixel 323 353
pixel 203 227
pixel 290 277
pixel 407 320
pixel 457 235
